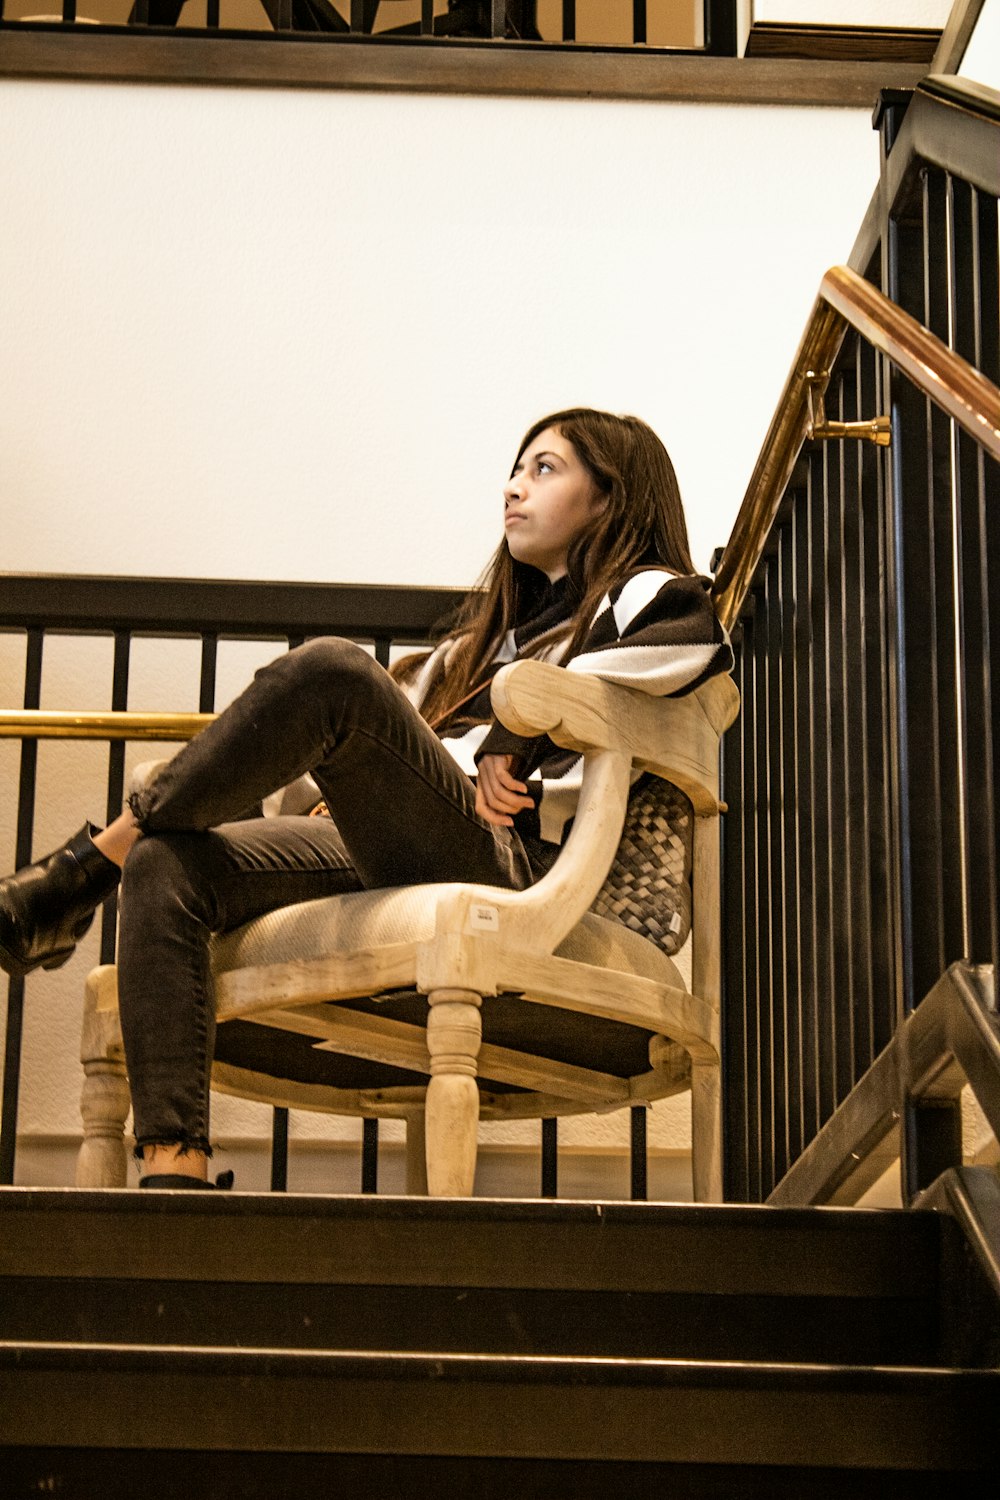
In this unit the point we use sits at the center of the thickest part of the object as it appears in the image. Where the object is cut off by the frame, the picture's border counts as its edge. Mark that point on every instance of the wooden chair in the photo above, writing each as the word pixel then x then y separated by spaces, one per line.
pixel 442 1004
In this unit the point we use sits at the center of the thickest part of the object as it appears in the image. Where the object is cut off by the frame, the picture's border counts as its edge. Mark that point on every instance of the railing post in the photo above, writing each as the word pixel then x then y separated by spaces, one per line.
pixel 720 28
pixel 907 587
pixel 22 855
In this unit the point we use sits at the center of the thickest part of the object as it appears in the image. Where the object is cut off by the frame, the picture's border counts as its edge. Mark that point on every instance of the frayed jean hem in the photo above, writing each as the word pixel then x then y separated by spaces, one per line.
pixel 195 1143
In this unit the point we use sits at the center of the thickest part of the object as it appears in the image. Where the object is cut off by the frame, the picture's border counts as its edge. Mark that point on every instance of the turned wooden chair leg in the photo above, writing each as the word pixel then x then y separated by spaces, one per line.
pixel 104 1106
pixel 416 1155
pixel 706 1131
pixel 104 1101
pixel 454 1035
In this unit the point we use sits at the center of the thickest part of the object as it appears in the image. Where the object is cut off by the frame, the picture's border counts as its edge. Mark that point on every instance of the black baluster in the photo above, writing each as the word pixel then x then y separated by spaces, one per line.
pixel 279 1150
pixel 805 807
pixel 116 781
pixel 22 856
pixel 789 954
pixel 862 638
pixel 736 1145
pixel 638 1164
pixel 757 1104
pixel 973 248
pixel 824 892
pixel 369 1156
pixel 639 23
pixel 913 639
pixel 841 832
pixel 550 1158
pixel 777 994
pixel 720 28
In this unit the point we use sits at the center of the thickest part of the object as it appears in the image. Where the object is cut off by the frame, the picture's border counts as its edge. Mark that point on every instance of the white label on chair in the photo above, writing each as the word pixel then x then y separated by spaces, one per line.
pixel 483 919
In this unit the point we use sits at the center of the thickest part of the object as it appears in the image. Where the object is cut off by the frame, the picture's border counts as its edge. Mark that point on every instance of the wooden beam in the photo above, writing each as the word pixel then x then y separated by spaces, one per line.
pixel 899 44
pixel 955 38
pixel 420 65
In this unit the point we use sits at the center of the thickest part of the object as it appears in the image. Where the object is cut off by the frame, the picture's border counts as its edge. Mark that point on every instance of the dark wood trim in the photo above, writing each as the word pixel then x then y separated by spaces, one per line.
pixel 843 43
pixel 960 25
pixel 420 65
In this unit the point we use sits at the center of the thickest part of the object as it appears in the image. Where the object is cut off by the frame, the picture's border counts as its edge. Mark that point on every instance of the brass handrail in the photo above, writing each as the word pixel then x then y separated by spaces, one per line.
pixel 40 724
pixel 845 300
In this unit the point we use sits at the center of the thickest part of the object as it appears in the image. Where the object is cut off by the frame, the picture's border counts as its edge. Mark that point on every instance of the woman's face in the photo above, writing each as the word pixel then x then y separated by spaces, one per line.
pixel 548 499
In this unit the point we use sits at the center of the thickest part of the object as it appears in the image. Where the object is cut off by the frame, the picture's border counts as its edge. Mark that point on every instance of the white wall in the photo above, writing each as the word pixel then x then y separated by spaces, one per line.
pixel 982 56
pixel 854 12
pixel 298 334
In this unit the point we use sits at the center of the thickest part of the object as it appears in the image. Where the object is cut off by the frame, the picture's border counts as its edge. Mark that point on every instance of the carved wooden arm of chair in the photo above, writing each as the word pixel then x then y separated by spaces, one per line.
pixel 613 728
pixel 675 737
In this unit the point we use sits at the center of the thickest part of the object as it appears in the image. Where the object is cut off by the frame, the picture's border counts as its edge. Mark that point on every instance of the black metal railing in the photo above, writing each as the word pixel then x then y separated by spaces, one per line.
pixel 639 23
pixel 126 609
pixel 861 849
pixel 38 607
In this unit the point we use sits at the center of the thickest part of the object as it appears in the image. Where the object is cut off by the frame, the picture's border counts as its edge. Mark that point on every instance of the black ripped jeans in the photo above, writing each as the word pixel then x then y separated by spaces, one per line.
pixel 402 814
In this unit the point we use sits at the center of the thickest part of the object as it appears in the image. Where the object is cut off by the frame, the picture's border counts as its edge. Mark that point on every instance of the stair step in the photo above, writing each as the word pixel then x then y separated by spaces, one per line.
pixel 479 1320
pixel 124 1474
pixel 483 1278
pixel 652 1411
pixel 647 1248
pixel 281 1345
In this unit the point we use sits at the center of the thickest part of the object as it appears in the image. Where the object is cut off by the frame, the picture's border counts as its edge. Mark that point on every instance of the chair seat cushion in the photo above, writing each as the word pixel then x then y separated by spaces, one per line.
pixel 370 919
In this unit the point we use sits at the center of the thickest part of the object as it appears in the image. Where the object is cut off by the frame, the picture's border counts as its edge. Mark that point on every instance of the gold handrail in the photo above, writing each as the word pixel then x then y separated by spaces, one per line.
pixel 39 724
pixel 846 300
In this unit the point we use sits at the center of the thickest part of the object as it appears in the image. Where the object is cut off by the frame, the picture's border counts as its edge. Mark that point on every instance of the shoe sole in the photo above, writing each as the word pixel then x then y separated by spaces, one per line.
pixel 18 969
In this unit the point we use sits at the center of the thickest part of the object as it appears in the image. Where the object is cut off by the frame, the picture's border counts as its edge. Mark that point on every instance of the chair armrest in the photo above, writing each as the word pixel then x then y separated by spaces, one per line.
pixel 677 738
pixel 613 728
pixel 536 919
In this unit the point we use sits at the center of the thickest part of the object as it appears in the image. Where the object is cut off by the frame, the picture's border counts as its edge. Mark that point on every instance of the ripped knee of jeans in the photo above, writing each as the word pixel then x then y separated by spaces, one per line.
pixel 138 805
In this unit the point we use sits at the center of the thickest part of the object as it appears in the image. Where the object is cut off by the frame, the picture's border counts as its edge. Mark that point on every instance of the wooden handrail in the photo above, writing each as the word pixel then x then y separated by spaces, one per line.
pixel 845 300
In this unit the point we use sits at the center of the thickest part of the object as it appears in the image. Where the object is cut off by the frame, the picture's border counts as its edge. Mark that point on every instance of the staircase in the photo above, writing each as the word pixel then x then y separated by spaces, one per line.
pixel 208 1345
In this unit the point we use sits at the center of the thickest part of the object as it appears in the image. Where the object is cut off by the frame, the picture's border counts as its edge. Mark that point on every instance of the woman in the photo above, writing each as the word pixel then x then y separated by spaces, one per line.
pixel 419 784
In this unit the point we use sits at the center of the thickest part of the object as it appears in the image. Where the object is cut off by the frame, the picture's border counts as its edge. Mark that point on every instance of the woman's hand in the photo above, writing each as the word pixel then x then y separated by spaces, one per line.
pixel 499 794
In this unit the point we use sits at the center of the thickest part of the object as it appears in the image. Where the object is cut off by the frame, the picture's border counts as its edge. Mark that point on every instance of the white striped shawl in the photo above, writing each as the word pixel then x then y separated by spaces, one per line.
pixel 655 631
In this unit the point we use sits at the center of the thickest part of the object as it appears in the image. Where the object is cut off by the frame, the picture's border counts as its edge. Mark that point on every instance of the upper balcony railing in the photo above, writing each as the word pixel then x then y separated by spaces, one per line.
pixel 648 50
pixel 128 613
pixel 697 26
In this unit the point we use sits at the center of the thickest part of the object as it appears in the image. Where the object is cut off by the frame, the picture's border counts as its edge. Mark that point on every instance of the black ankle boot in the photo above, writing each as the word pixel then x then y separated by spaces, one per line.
pixel 47 907
pixel 175 1180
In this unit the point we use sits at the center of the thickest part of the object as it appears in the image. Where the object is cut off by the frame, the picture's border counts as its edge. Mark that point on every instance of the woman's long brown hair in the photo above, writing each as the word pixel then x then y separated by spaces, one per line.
pixel 642 524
